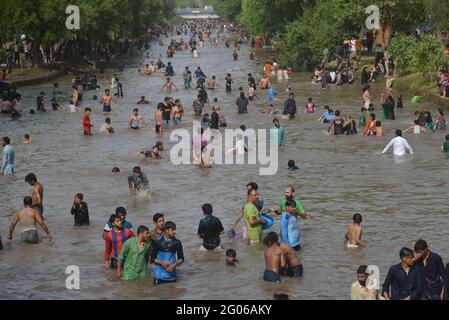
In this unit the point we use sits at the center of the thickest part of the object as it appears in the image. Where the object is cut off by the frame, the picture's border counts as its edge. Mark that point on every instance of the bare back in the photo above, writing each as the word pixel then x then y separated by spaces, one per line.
pixel 354 234
pixel 27 218
pixel 273 258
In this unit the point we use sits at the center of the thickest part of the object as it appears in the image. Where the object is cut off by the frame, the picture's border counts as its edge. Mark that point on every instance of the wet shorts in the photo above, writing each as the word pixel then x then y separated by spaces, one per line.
pixel 29 236
pixel 296 271
pixel 107 108
pixel 39 208
pixel 158 128
pixel 271 276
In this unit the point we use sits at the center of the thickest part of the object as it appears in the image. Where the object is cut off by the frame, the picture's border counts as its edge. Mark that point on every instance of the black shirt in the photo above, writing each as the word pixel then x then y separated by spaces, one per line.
pixel 214 120
pixel 404 285
pixel 173 246
pixel 209 229
pixel 434 276
pixel 166 112
pixel 40 102
pixel 81 214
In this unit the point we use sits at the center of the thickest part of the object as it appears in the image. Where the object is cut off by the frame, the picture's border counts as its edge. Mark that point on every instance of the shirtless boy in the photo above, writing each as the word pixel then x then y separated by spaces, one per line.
pixel 274 258
pixel 353 236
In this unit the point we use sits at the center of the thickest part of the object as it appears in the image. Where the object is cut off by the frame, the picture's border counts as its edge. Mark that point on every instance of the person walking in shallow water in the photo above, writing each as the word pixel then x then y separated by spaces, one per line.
pixel 8 157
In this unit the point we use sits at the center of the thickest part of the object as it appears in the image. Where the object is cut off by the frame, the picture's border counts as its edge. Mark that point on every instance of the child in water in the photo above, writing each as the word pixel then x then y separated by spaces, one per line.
pixel 417 128
pixel 26 139
pixel 353 236
pixel 231 257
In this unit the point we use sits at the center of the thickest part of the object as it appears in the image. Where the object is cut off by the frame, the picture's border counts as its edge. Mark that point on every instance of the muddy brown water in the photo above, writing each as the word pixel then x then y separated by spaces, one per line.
pixel 401 200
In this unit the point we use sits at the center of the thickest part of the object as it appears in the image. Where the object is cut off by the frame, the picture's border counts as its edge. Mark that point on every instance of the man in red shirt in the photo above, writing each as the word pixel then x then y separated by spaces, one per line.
pixel 114 241
pixel 87 124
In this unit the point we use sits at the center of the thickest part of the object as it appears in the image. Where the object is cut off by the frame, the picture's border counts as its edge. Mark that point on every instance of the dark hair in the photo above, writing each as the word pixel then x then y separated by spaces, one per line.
pixel 170 225
pixel 271 237
pixel 243 127
pixel 137 170
pixel 281 296
pixel 231 253
pixel 362 270
pixel 30 178
pixel 107 120
pixel 420 245
pixel 357 218
pixel 207 209
pixel 399 133
pixel 447 137
pixel 87 109
pixel 378 123
pixel 27 136
pixel 405 252
pixel 6 140
pixel 337 113
pixel 275 120
pixel 27 201
pixel 157 216
pixel 253 186
pixel 112 218
pixel 310 99
pixel 115 170
pixel 136 110
pixel 80 196
pixel 120 210
pixel 142 229
pixel 291 163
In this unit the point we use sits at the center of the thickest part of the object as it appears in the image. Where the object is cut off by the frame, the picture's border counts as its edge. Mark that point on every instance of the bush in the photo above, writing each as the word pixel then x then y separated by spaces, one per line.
pixel 412 54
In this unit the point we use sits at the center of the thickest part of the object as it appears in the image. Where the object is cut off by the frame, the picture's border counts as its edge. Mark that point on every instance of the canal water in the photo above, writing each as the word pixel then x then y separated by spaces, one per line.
pixel 401 200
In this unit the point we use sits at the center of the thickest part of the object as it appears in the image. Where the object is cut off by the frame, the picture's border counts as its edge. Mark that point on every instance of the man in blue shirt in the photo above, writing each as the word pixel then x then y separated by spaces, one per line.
pixel 406 279
pixel 8 157
pixel 290 234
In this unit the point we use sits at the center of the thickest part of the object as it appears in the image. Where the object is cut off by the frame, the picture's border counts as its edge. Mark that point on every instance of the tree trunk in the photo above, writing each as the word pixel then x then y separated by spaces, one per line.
pixel 383 35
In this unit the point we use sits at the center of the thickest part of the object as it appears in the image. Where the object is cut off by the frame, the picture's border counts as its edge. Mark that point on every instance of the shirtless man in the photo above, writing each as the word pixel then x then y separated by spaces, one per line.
pixel 28 217
pixel 38 193
pixel 177 113
pixel 212 83
pixel 293 268
pixel 169 84
pixel 264 82
pixel 106 100
pixel 353 236
pixel 135 119
pixel 366 97
pixel 158 118
pixel 274 258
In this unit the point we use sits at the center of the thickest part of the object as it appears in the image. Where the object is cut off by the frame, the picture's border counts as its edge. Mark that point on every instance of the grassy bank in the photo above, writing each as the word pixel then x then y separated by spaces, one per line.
pixel 417 84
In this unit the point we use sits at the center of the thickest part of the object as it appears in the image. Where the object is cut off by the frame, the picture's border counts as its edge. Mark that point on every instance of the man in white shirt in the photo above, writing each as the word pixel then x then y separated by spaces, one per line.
pixel 400 145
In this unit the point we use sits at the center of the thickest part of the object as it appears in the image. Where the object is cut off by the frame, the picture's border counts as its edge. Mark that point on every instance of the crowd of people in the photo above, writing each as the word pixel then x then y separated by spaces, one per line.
pixel 130 251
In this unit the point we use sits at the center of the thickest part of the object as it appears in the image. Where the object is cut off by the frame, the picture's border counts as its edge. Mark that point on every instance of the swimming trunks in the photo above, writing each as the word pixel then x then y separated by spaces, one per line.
pixel 29 236
pixel 158 128
pixel 296 271
pixel 297 248
pixel 271 276
pixel 39 208
pixel 351 246
pixel 107 108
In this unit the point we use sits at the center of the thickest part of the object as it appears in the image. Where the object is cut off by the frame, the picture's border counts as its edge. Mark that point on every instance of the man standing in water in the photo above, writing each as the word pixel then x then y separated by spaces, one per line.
pixel 28 217
pixel 138 182
pixel 434 271
pixel 277 134
pixel 135 256
pixel 158 118
pixel 400 145
pixel 274 258
pixel 87 124
pixel 405 279
pixel 38 193
pixel 252 218
pixel 8 157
